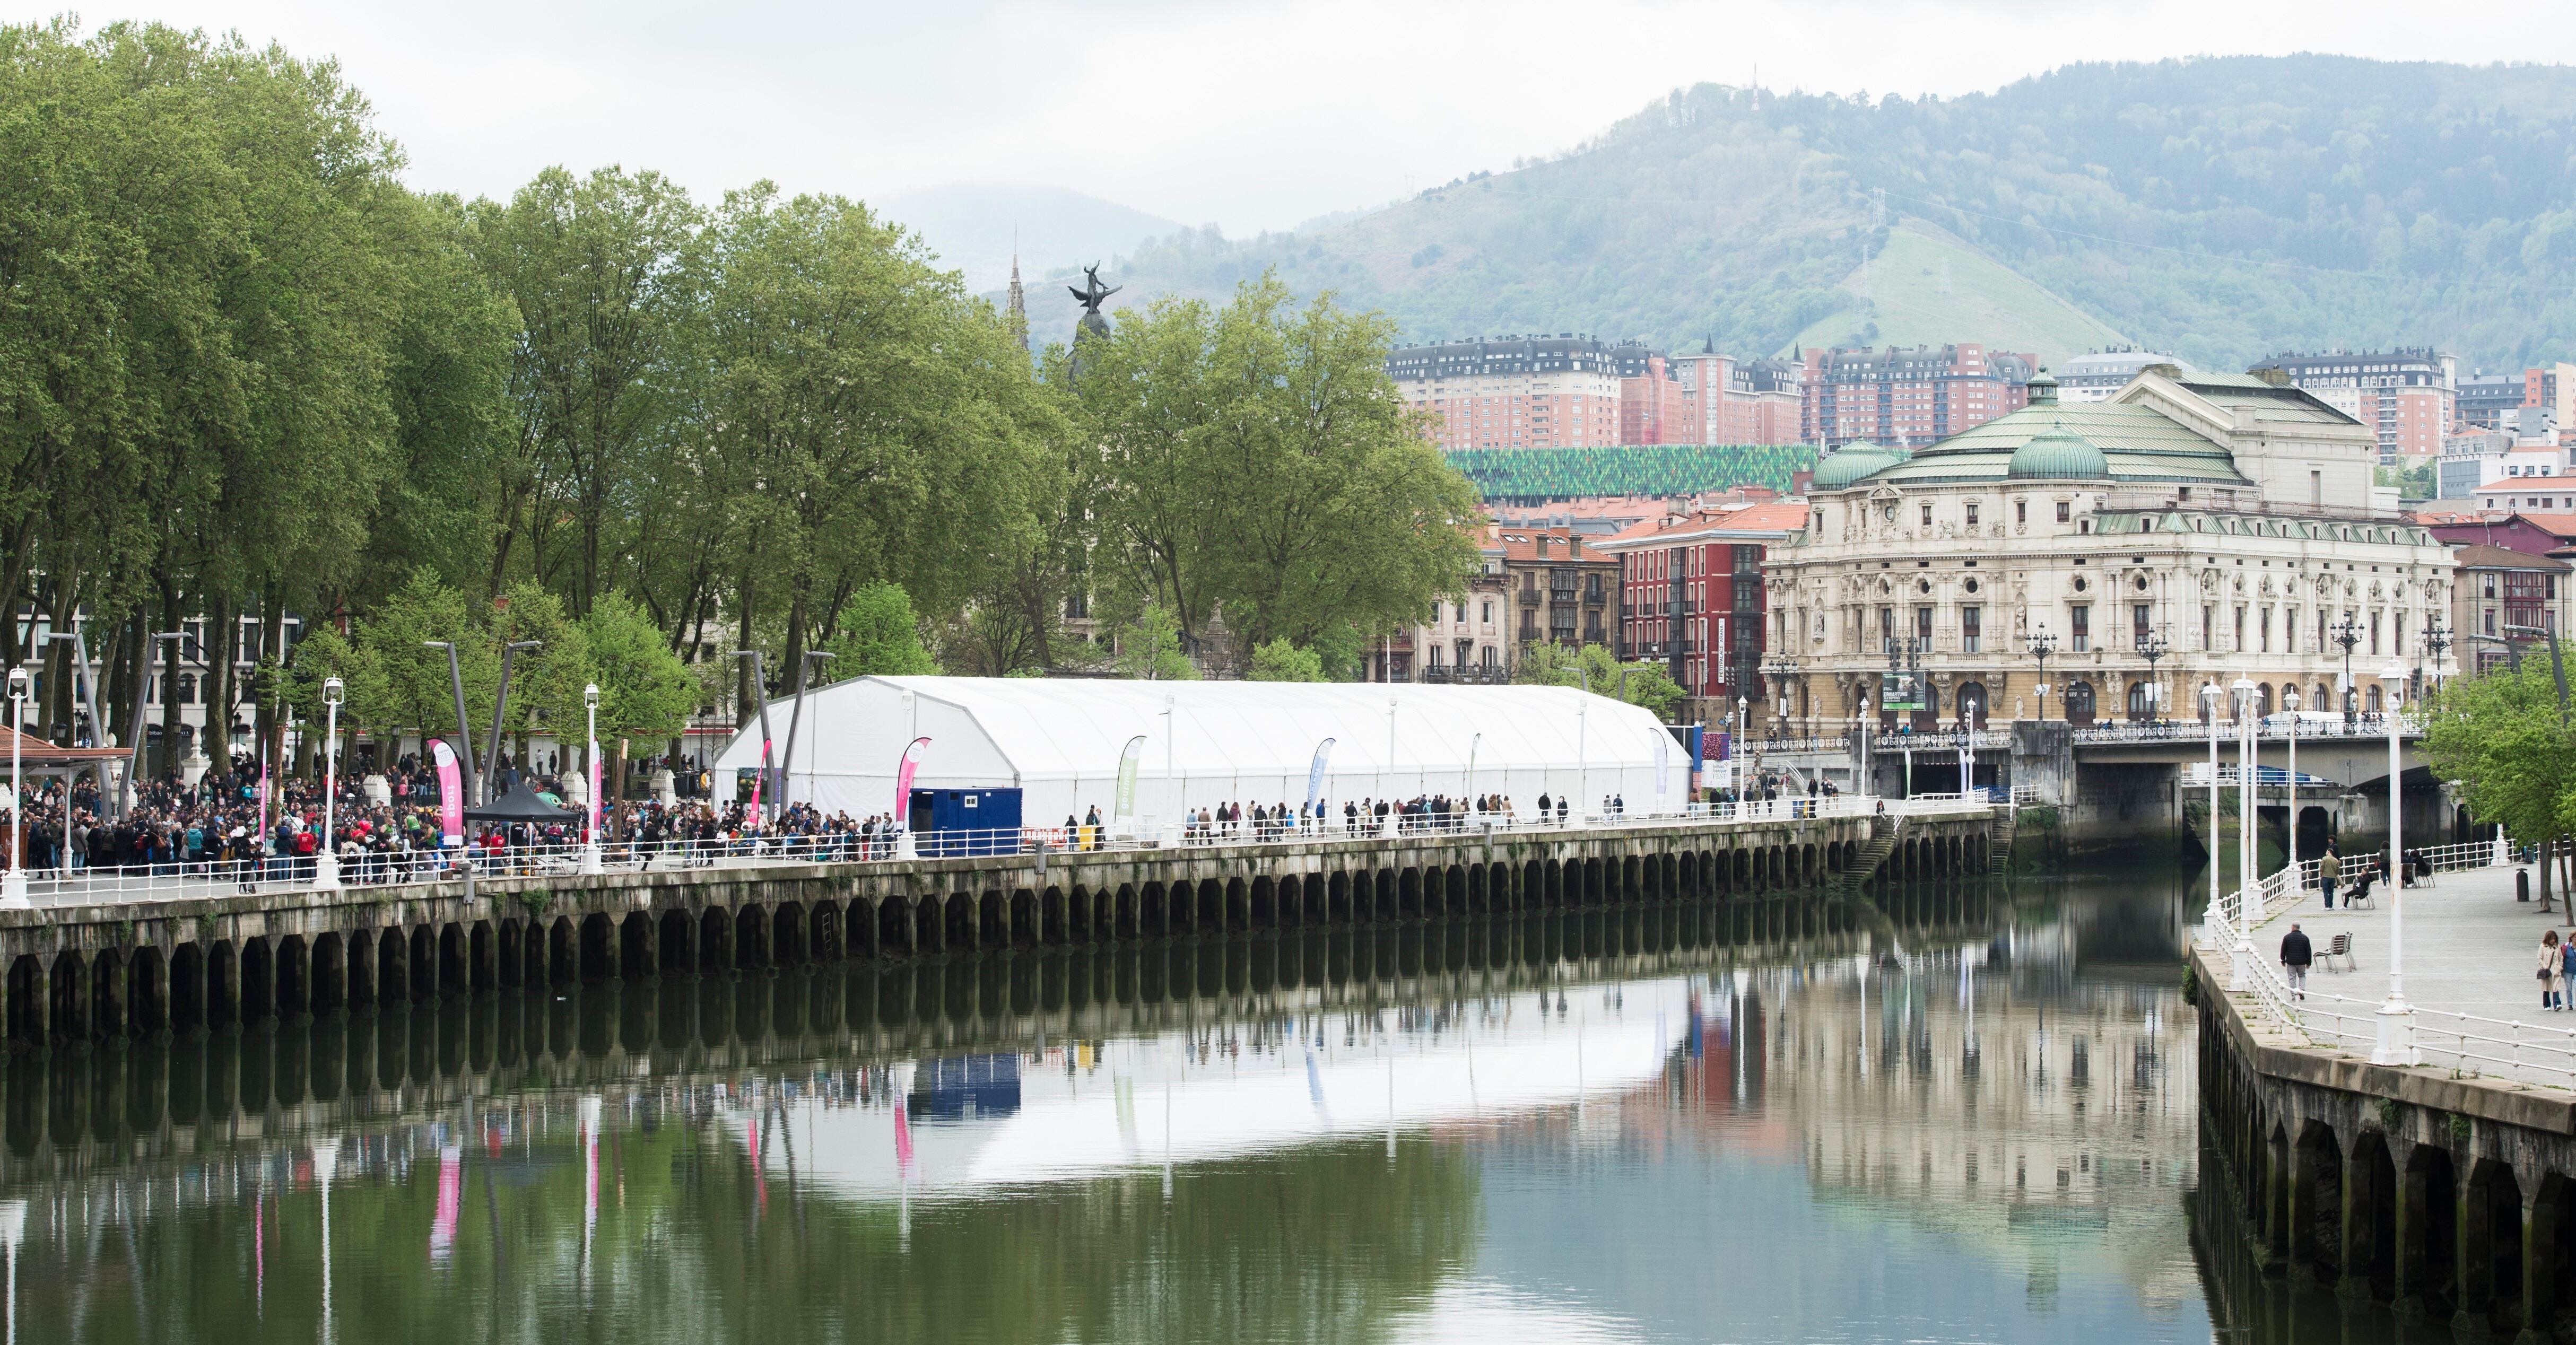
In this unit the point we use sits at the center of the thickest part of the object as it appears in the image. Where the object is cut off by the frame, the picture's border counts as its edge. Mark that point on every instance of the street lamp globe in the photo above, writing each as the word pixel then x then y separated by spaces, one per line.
pixel 2290 699
pixel 17 684
pixel 334 691
pixel 590 696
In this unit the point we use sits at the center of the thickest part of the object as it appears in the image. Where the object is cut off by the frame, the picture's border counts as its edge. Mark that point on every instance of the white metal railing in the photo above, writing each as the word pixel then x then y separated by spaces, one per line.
pixel 2371 725
pixel 2468 1044
pixel 1941 740
pixel 397 868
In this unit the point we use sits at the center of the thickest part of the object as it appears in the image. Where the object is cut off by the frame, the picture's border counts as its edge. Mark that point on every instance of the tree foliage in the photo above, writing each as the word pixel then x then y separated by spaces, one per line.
pixel 1595 667
pixel 248 379
pixel 2498 734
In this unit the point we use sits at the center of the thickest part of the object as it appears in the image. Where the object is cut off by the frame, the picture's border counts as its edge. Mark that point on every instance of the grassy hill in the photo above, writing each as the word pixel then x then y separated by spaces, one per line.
pixel 1929 287
pixel 1534 475
pixel 2220 208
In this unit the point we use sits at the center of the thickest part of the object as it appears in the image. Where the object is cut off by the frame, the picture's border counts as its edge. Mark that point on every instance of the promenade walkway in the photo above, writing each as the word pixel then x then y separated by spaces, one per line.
pixel 2468 971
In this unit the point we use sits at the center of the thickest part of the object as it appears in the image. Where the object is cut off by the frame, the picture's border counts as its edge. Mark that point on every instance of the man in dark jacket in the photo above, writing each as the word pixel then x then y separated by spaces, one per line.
pixel 2294 960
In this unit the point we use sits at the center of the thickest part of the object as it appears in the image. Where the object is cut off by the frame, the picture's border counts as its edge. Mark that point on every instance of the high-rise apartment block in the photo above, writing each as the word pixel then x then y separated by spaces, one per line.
pixel 1517 392
pixel 1910 397
pixel 1565 391
pixel 2405 397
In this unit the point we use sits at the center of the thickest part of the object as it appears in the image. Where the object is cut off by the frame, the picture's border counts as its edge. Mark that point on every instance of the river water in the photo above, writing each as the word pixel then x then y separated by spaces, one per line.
pixel 1951 1112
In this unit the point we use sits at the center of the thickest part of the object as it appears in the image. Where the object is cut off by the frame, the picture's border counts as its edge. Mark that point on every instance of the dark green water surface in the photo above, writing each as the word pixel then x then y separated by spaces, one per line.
pixel 1946 1113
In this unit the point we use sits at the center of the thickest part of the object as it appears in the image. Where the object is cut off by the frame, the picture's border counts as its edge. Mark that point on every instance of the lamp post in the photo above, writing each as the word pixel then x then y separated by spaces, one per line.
pixel 590 831
pixel 2151 649
pixel 326 856
pixel 2396 1017
pixel 2348 633
pixel 13 889
pixel 500 709
pixel 2040 646
pixel 2237 965
pixel 2246 861
pixel 464 734
pixel 2437 641
pixel 1735 756
pixel 2290 703
pixel 132 793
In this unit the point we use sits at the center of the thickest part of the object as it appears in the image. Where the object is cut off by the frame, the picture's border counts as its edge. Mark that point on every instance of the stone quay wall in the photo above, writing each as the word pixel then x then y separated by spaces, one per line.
pixel 100 971
pixel 2446 1197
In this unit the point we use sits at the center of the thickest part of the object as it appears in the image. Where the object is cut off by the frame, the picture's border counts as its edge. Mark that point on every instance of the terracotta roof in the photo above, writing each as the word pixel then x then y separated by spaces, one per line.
pixel 1521 544
pixel 1753 522
pixel 2480 556
pixel 2562 526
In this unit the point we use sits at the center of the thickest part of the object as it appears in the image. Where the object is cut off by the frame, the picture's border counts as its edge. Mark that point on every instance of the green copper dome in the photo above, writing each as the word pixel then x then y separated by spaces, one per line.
pixel 1851 463
pixel 2058 454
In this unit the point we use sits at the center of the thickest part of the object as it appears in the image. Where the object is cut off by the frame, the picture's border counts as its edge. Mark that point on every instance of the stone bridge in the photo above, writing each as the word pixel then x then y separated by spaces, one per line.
pixel 77 973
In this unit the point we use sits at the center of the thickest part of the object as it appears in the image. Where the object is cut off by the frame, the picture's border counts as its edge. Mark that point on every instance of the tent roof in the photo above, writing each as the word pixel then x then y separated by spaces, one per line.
pixel 1065 726
pixel 520 805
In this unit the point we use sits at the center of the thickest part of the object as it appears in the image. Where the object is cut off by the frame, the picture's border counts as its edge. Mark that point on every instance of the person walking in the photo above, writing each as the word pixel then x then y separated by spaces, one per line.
pixel 2552 973
pixel 2295 957
pixel 2329 868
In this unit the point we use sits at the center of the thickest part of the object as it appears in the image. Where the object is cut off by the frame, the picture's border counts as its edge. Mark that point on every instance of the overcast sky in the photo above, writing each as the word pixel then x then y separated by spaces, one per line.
pixel 1250 115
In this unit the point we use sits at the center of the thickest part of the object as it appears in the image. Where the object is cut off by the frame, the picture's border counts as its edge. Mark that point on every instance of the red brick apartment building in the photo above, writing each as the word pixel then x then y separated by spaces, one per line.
pixel 1691 596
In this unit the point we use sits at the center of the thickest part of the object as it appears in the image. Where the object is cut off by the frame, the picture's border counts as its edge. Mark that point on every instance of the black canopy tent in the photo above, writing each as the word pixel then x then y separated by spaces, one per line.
pixel 521 805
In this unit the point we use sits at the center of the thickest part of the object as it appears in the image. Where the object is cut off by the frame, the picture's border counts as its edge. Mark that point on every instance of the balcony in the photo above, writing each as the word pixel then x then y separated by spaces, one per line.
pixel 1593 597
pixel 1529 597
pixel 1560 595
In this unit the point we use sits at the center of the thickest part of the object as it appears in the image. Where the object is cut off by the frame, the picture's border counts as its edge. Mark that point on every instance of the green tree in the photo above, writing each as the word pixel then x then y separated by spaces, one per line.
pixel 1643 684
pixel 407 684
pixel 1256 458
pixel 1281 661
pixel 879 637
pixel 1150 647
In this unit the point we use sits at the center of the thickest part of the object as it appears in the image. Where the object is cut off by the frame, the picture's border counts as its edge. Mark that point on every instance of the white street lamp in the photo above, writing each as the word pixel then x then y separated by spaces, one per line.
pixel 326 856
pixel 590 831
pixel 2241 949
pixel 1735 755
pixel 13 888
pixel 2290 703
pixel 2396 1017
pixel 2251 895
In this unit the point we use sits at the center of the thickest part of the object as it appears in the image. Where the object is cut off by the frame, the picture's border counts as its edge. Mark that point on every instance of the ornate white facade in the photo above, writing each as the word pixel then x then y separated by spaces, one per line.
pixel 2222 524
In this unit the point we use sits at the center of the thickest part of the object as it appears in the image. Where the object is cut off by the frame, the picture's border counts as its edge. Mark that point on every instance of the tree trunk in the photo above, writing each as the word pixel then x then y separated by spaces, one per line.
pixel 224 634
pixel 746 702
pixel 170 659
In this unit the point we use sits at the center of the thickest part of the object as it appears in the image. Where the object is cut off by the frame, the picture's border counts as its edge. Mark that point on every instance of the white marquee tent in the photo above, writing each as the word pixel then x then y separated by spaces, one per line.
pixel 1205 743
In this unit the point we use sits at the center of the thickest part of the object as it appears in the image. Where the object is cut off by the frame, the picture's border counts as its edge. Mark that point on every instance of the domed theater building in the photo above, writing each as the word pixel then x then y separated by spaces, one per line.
pixel 2191 527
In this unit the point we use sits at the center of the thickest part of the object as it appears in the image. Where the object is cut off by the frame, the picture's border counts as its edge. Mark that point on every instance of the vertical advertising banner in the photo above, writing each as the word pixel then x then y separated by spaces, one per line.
pixel 903 773
pixel 1315 775
pixel 451 793
pixel 1124 803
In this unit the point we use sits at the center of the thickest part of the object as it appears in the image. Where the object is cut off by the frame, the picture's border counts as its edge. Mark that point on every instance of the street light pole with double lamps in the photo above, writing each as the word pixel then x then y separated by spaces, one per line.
pixel 590 832
pixel 2396 1016
pixel 13 888
pixel 326 856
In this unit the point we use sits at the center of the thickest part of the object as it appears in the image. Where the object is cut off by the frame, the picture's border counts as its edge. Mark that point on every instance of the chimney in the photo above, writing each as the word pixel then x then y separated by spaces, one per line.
pixel 1574 545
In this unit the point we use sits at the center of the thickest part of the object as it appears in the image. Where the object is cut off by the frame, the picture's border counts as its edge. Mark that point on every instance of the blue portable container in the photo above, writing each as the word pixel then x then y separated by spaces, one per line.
pixel 965 822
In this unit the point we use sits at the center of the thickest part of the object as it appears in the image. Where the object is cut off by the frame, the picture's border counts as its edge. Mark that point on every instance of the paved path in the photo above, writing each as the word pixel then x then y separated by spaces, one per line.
pixel 2470 949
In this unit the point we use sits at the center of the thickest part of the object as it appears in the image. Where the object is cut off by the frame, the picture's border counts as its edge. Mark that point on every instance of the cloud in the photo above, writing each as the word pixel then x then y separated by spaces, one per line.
pixel 1251 116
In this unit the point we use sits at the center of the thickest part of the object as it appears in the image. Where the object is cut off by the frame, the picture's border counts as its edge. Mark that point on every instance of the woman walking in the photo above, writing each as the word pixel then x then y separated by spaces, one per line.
pixel 2553 973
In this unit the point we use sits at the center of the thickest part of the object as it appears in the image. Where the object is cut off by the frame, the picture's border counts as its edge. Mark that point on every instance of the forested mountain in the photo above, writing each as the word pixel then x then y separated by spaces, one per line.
pixel 2220 208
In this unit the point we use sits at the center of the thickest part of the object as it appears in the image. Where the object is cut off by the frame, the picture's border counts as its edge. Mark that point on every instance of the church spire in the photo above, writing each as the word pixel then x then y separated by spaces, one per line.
pixel 1019 304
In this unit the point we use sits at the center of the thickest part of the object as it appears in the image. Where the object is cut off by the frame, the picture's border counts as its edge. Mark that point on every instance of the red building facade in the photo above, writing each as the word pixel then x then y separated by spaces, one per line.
pixel 1691 597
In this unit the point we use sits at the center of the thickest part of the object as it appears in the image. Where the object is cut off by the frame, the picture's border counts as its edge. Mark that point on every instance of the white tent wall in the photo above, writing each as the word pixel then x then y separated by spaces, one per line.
pixel 1206 743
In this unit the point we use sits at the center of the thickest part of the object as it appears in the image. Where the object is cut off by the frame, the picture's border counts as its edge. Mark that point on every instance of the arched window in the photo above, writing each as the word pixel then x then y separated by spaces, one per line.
pixel 2142 702
pixel 2370 699
pixel 1972 703
pixel 2079 703
pixel 2322 698
pixel 187 688
pixel 2262 700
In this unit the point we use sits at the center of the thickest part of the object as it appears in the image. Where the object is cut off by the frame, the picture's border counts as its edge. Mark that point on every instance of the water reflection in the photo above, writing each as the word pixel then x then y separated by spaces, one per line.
pixel 1951 1109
